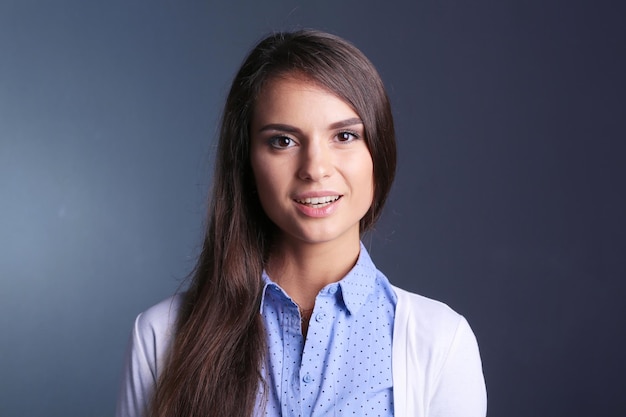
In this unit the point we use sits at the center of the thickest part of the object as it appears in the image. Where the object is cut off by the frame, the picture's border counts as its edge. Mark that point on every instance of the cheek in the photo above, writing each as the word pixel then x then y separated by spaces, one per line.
pixel 267 182
pixel 368 177
pixel 362 179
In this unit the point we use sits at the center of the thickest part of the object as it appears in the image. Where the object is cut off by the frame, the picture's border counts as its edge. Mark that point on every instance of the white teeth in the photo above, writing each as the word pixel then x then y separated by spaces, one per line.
pixel 319 200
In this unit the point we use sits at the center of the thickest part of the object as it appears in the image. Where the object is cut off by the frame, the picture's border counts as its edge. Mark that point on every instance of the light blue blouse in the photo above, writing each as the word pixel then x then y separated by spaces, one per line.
pixel 344 366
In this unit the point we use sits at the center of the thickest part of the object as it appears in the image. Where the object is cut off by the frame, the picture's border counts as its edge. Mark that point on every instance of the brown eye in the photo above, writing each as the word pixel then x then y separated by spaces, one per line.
pixel 346 136
pixel 281 142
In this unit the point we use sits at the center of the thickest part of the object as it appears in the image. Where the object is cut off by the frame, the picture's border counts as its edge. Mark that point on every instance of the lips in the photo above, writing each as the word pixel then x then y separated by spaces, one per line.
pixel 318 202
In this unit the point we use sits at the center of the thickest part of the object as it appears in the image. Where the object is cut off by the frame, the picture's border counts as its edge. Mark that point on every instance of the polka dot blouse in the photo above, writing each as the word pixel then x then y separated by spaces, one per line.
pixel 343 368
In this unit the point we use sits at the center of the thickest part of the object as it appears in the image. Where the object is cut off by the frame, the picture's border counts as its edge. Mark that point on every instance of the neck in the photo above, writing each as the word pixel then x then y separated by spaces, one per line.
pixel 302 270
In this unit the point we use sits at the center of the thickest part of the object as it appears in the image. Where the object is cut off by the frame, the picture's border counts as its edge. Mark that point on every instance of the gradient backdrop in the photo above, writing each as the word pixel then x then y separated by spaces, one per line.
pixel 509 203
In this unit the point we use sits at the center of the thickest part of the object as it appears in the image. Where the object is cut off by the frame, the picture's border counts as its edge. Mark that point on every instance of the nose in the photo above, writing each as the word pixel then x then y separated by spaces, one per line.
pixel 316 162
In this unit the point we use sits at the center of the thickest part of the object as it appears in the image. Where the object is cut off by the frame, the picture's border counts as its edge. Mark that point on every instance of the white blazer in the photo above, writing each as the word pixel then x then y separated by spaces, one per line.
pixel 437 371
pixel 436 367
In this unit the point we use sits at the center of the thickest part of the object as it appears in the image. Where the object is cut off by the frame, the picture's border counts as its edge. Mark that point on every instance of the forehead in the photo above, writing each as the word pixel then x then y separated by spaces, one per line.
pixel 298 96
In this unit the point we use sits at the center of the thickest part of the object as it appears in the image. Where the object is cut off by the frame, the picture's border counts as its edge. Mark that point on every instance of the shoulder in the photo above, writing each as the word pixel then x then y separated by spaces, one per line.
pixel 151 338
pixel 154 331
pixel 429 317
pixel 430 328
pixel 160 317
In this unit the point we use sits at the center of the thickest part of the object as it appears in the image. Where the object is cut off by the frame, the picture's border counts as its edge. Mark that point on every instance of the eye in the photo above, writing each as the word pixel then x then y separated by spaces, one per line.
pixel 347 136
pixel 282 142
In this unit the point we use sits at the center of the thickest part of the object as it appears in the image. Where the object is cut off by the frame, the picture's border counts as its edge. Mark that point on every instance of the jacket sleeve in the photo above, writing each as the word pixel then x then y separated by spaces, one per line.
pixel 139 375
pixel 152 334
pixel 459 388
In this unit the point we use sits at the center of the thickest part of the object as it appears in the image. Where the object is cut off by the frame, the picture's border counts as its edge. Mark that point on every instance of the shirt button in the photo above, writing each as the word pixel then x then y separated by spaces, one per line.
pixel 332 289
pixel 319 317
pixel 307 378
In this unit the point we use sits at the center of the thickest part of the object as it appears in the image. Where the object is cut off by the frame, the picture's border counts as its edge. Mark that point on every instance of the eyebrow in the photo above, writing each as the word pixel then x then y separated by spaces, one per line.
pixel 292 129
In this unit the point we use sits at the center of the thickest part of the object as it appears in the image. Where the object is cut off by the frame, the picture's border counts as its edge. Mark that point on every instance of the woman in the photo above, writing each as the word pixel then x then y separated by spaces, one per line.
pixel 286 313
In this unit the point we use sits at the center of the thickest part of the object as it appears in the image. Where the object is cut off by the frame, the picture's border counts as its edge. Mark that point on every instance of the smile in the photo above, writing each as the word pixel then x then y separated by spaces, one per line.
pixel 319 202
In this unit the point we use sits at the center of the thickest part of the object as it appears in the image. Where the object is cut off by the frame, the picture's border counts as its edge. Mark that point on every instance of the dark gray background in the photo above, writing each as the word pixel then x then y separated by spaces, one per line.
pixel 509 202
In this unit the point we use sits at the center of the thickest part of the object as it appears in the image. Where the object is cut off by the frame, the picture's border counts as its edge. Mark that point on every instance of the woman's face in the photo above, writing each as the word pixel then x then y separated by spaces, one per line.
pixel 312 168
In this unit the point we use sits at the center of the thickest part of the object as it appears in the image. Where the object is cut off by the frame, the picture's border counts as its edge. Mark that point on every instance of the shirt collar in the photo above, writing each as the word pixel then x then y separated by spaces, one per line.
pixel 359 283
pixel 355 287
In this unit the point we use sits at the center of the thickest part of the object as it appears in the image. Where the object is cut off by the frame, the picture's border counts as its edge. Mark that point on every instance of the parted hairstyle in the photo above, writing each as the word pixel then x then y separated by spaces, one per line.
pixel 214 365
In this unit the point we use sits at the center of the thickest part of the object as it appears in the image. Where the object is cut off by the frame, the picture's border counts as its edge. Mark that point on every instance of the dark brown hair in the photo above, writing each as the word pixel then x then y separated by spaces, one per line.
pixel 214 367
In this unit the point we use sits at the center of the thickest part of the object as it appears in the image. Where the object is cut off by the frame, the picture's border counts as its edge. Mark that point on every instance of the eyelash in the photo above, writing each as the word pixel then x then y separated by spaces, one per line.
pixel 349 132
pixel 273 142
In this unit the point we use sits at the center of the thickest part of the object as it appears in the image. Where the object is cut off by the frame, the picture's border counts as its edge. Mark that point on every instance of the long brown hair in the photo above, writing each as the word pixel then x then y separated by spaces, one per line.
pixel 214 367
